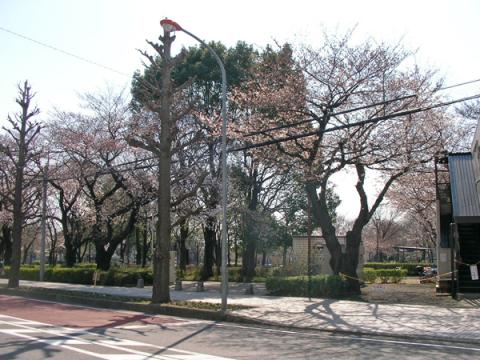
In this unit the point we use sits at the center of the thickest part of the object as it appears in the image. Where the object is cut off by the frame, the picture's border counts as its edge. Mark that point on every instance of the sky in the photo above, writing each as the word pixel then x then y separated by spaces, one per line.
pixel 109 32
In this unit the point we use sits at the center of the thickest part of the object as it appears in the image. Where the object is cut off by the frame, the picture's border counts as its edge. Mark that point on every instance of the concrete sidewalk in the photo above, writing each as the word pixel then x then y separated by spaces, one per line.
pixel 413 321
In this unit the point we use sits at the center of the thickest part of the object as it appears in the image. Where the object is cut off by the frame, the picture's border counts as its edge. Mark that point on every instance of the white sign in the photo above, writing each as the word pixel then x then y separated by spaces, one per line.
pixel 474 272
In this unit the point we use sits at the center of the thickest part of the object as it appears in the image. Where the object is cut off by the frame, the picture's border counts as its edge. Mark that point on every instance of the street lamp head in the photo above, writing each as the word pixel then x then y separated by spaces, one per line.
pixel 170 25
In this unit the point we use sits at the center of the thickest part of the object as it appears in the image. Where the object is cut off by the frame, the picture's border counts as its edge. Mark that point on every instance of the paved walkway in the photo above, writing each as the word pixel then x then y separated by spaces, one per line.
pixel 323 314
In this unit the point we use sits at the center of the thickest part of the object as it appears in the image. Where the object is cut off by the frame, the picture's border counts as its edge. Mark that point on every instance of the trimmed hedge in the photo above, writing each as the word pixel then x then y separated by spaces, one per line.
pixel 410 267
pixel 322 286
pixel 384 275
pixel 84 275
pixel 193 273
pixel 369 275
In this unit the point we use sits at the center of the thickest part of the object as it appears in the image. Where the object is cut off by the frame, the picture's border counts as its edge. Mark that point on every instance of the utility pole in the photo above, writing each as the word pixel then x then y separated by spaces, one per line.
pixel 44 223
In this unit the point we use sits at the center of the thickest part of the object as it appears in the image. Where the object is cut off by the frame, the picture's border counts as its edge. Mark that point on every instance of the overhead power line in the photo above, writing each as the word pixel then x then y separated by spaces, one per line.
pixel 358 123
pixel 109 171
pixel 296 123
pixel 301 122
pixel 51 47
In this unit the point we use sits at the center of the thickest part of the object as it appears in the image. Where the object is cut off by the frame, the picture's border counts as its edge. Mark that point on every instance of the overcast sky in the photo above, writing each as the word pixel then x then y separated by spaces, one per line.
pixel 108 32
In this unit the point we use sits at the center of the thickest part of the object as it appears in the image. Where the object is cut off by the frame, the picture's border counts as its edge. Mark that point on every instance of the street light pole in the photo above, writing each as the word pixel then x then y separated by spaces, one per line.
pixel 43 223
pixel 168 26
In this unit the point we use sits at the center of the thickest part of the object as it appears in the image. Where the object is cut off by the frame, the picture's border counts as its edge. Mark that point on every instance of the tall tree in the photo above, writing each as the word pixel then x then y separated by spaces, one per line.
pixel 319 92
pixel 24 131
pixel 154 129
pixel 197 70
pixel 91 185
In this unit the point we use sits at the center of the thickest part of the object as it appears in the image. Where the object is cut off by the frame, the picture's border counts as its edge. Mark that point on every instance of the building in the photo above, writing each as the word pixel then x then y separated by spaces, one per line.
pixel 320 256
pixel 458 220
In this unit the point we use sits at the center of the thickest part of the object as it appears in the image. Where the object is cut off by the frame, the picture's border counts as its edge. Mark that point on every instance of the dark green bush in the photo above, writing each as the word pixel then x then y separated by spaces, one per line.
pixel 322 286
pixel 410 267
pixel 69 275
pixel 391 275
pixel 84 275
pixel 86 265
pixel 385 275
pixel 126 276
pixel 192 273
pixel 235 274
pixel 369 275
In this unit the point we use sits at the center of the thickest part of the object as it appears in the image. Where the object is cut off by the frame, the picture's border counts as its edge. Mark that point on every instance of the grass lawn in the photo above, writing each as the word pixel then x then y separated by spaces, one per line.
pixel 410 291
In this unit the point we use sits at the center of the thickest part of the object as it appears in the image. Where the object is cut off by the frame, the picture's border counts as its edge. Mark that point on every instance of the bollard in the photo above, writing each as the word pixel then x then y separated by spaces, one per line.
pixel 178 284
pixel 140 283
pixel 200 286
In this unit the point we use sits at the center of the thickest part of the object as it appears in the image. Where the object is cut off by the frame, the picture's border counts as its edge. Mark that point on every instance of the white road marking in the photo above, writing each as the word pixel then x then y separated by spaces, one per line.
pixel 65 342
pixel 355 337
pixel 13 330
pixel 126 357
pixel 48 329
pixel 122 342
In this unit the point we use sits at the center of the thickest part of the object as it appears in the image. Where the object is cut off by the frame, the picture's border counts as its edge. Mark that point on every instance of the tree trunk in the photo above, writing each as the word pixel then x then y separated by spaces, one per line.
pixel 209 236
pixel 235 247
pixel 248 260
pixel 322 218
pixel 145 245
pixel 26 249
pixel 183 248
pixel 250 240
pixel 218 254
pixel 350 261
pixel 161 258
pixel 18 215
pixel 70 251
pixel 25 134
pixel 264 257
pixel 103 257
pixel 6 245
pixel 138 247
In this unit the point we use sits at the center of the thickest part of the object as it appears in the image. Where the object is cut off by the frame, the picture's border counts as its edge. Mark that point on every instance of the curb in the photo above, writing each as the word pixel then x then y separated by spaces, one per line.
pixel 203 314
pixel 157 309
pixel 170 310
pixel 362 333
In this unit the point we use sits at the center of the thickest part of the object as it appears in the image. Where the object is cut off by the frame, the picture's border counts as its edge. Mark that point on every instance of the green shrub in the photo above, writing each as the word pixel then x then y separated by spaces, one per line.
pixel 391 275
pixel 125 276
pixel 192 273
pixel 69 275
pixel 263 272
pixel 289 270
pixel 321 286
pixel 369 275
pixel 235 274
pixel 410 267
pixel 84 275
pixel 86 265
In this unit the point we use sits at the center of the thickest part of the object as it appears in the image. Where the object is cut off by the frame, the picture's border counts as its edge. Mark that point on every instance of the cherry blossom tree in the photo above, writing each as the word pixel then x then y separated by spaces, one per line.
pixel 94 188
pixel 317 92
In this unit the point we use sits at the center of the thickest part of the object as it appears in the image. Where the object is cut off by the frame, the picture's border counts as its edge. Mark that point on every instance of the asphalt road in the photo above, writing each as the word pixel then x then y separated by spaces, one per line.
pixel 31 330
